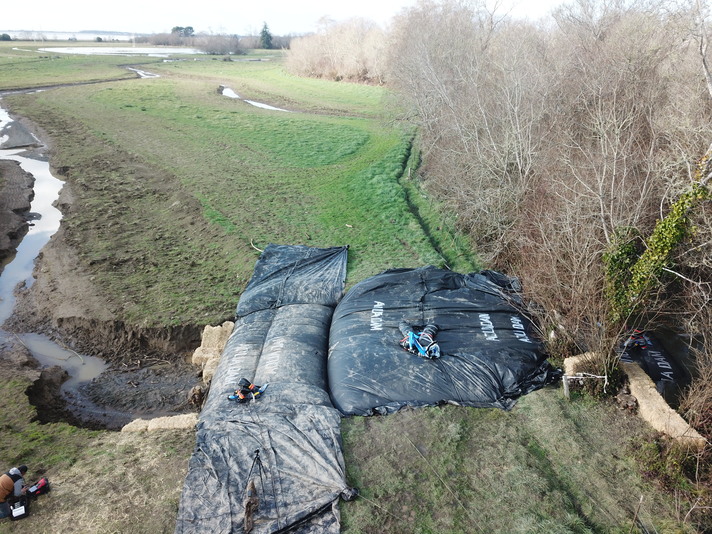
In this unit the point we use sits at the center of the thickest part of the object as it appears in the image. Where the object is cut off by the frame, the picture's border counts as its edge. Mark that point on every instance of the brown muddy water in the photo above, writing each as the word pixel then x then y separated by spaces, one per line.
pixel 44 220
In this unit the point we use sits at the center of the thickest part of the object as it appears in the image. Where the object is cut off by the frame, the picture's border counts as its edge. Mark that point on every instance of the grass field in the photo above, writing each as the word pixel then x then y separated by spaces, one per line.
pixel 175 187
pixel 23 65
pixel 101 482
pixel 169 161
pixel 548 466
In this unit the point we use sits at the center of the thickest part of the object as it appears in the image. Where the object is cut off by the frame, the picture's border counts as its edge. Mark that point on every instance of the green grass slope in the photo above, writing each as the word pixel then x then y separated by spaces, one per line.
pixel 178 185
pixel 548 466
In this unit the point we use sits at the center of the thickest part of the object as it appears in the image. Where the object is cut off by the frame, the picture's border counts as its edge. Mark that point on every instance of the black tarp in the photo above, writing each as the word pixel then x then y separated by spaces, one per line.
pixel 286 442
pixel 648 350
pixel 490 353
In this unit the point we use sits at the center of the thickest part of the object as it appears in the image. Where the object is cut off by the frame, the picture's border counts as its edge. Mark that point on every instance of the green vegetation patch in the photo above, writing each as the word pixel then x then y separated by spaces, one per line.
pixel 266 81
pixel 262 137
pixel 26 66
pixel 25 441
pixel 548 466
pixel 177 187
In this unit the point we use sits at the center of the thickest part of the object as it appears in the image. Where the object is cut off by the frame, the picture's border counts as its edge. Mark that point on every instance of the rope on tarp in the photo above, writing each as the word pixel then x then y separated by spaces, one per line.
pixel 251 498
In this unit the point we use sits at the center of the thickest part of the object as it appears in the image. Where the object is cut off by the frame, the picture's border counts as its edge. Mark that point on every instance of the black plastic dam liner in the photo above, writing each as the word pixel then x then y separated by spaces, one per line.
pixel 647 350
pixel 489 353
pixel 274 463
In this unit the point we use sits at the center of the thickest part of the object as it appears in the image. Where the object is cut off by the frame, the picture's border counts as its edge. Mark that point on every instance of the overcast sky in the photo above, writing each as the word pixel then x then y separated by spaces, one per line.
pixel 240 17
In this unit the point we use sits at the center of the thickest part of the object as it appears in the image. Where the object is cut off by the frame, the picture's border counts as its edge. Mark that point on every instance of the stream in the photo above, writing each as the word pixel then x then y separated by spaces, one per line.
pixel 95 394
pixel 44 222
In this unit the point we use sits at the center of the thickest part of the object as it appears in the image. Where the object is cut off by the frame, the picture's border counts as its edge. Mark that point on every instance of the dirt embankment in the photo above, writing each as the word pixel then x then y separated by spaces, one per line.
pixel 16 188
pixel 150 372
pixel 15 198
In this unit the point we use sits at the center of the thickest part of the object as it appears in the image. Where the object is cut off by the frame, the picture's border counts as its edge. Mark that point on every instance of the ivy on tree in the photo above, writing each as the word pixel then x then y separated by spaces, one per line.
pixel 633 276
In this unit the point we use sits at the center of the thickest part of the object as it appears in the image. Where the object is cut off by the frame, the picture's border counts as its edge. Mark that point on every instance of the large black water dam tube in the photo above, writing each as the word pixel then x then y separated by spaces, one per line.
pixel 489 353
pixel 405 337
pixel 275 462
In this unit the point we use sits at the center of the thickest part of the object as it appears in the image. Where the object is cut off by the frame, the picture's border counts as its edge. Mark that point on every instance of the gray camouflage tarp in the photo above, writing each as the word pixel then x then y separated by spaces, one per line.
pixel 275 463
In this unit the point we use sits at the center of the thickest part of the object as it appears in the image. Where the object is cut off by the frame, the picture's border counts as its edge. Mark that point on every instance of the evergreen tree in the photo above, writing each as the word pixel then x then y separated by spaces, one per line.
pixel 265 38
pixel 181 31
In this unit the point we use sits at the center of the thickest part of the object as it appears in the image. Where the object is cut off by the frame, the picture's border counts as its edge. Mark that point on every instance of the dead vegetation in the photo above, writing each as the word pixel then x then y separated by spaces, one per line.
pixel 560 147
pixel 353 50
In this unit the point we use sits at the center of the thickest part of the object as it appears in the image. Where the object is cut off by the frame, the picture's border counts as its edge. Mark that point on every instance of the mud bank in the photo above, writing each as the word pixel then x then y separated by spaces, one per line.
pixel 149 370
pixel 15 198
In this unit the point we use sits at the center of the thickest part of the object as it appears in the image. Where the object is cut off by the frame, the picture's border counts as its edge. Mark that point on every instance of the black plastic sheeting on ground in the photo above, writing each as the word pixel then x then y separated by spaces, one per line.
pixel 275 463
pixel 648 350
pixel 490 355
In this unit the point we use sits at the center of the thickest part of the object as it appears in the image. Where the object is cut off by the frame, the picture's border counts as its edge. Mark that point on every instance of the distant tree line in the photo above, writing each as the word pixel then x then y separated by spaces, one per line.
pixel 217 44
pixel 569 152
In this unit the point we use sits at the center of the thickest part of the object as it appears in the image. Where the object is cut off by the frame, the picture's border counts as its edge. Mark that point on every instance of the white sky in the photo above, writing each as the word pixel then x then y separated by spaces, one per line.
pixel 240 17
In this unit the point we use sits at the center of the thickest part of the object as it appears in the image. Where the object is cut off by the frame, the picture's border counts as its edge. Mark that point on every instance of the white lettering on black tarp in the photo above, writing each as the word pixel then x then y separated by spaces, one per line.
pixel 519 330
pixel 487 327
pixel 660 360
pixel 662 363
pixel 270 360
pixel 377 315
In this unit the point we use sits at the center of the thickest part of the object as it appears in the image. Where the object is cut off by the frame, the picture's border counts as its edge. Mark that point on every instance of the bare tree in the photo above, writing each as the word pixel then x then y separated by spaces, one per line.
pixel 470 79
pixel 220 44
pixel 351 50
pixel 548 141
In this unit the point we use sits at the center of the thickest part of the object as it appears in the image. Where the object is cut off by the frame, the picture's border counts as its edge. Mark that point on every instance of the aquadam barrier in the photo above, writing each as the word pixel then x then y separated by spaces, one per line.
pixel 273 463
pixel 488 354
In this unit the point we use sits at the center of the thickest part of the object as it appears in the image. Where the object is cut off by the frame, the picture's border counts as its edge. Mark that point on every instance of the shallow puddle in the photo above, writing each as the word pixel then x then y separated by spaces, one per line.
pixel 226 91
pixel 143 73
pixel 80 368
pixel 44 223
pixel 164 51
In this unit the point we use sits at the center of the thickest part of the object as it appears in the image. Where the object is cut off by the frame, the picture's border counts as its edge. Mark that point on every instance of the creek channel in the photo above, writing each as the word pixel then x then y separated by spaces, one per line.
pixel 44 220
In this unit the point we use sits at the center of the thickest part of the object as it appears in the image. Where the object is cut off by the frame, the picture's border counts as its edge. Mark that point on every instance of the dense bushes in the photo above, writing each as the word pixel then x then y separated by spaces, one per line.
pixel 549 141
pixel 559 146
pixel 352 50
pixel 568 152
